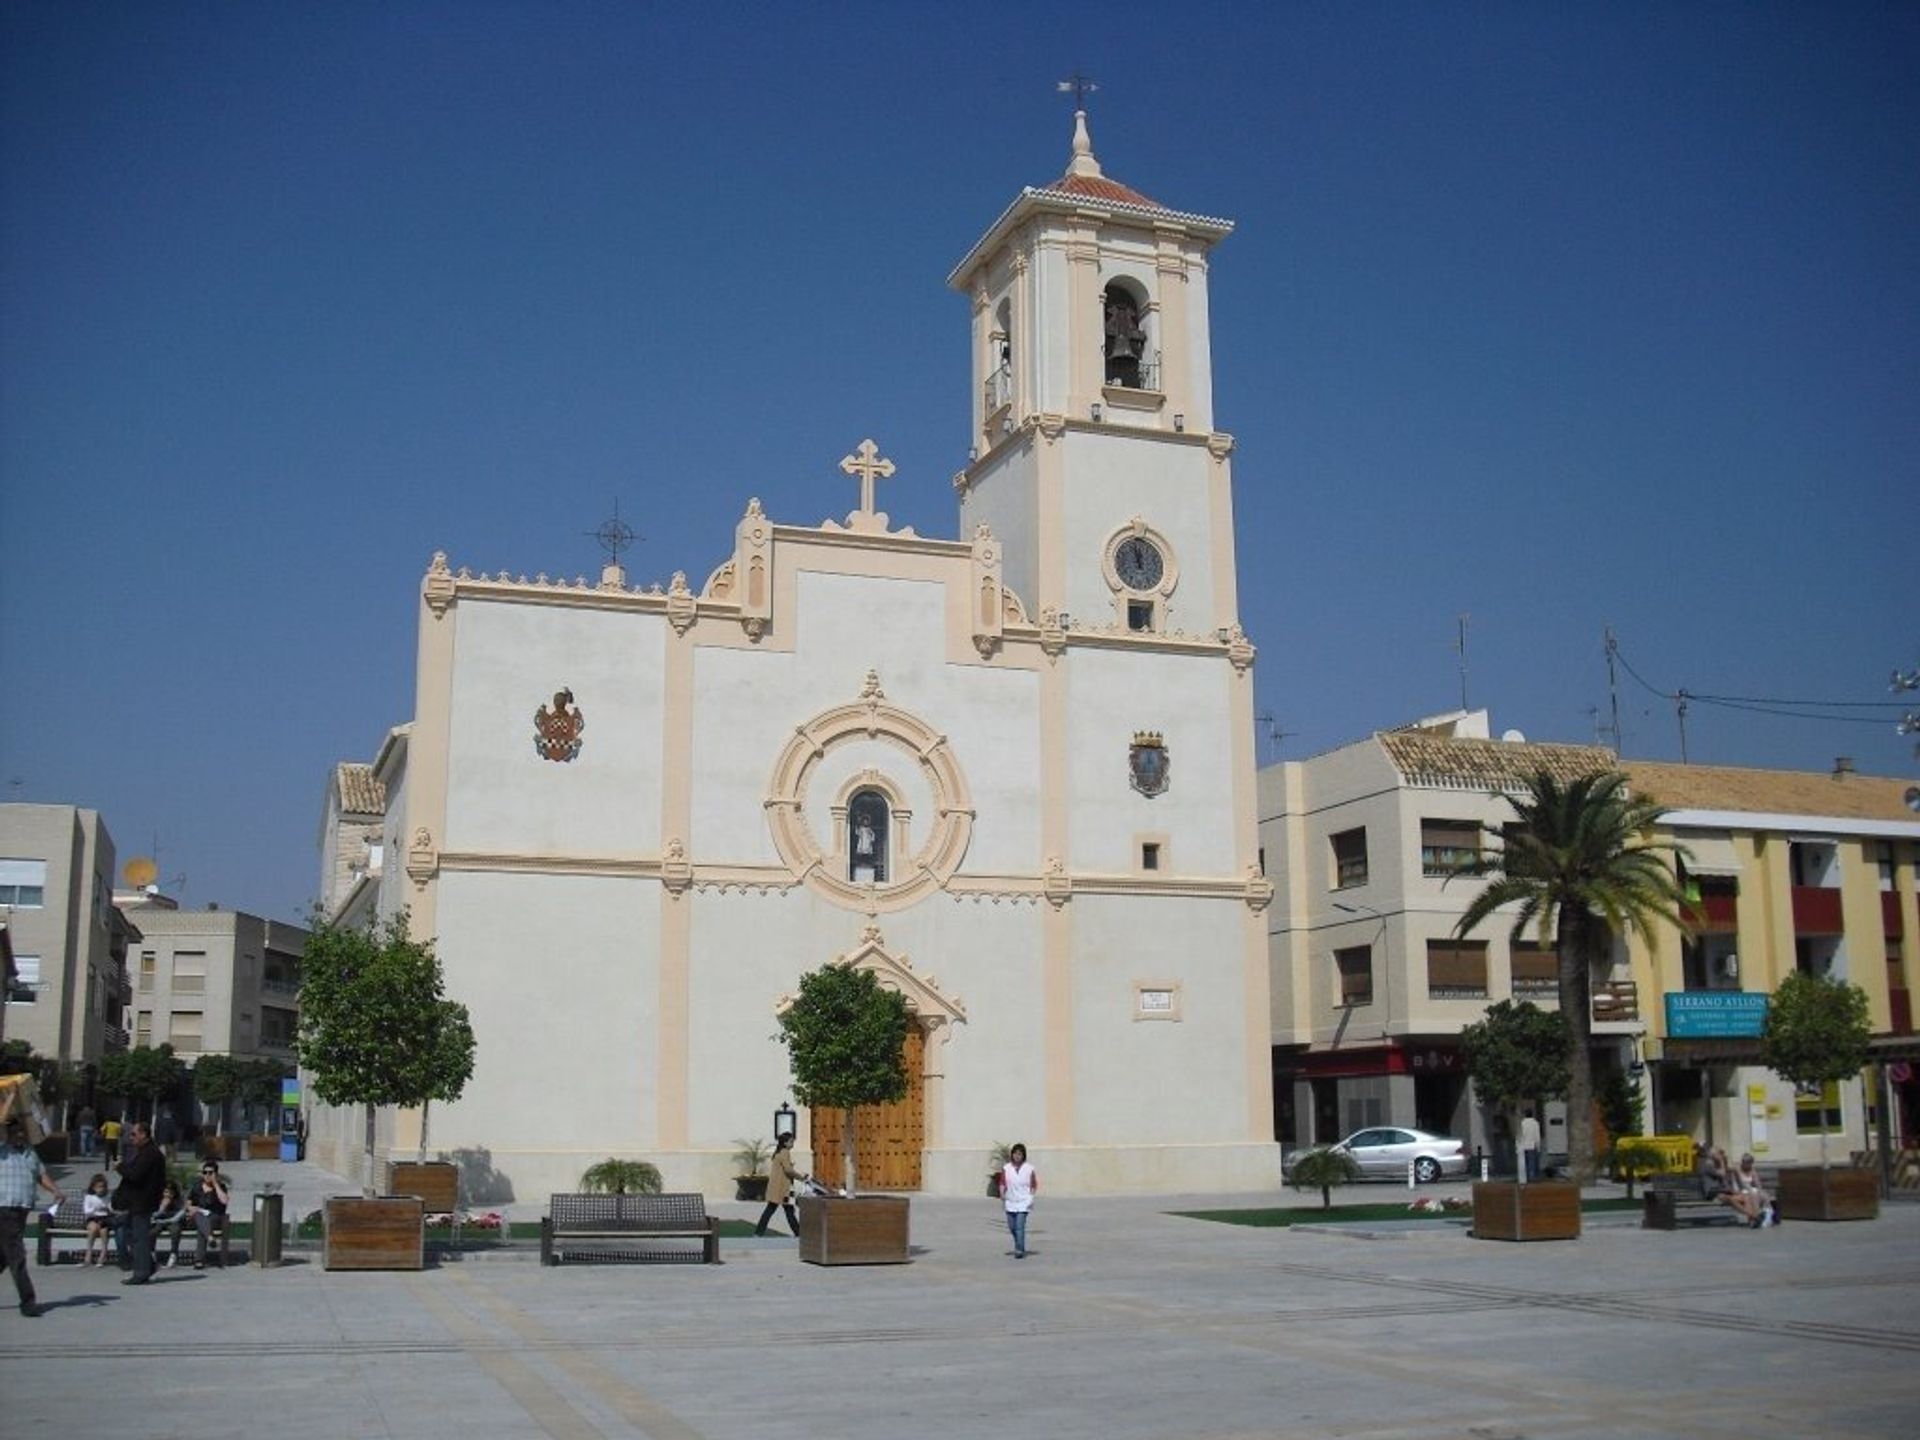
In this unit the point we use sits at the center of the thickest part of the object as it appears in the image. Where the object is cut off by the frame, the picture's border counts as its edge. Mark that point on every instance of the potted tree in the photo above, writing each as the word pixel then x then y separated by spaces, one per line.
pixel 846 1036
pixel 750 1169
pixel 216 1083
pixel 1816 1035
pixel 376 1029
pixel 1517 1056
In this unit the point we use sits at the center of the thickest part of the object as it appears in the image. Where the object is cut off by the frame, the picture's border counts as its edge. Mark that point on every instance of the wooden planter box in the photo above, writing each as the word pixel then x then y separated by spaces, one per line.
pixel 1807 1192
pixel 385 1233
pixel 262 1147
pixel 1544 1210
pixel 436 1182
pixel 860 1230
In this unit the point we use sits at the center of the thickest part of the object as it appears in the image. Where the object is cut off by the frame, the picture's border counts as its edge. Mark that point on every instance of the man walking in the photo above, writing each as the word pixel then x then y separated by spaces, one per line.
pixel 143 1175
pixel 20 1174
pixel 1530 1146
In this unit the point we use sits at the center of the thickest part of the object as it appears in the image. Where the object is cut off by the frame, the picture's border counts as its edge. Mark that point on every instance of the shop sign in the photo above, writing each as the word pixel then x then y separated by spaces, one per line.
pixel 1694 1014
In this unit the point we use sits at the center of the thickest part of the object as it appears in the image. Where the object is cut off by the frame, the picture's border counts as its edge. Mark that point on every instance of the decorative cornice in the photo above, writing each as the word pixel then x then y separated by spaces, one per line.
pixel 438 587
pixel 422 858
pixel 1219 445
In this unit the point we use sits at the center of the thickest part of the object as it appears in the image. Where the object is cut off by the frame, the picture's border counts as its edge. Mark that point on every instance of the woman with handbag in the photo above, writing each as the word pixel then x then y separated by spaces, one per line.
pixel 781 1177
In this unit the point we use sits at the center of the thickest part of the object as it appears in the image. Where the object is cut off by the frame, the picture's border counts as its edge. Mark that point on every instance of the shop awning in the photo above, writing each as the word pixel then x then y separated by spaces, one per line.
pixel 1709 852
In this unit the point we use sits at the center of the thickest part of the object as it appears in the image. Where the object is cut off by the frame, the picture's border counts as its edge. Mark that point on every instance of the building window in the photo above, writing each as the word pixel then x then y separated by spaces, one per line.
pixel 1355 966
pixel 1139 615
pixel 277 1028
pixel 143 1028
pixel 1349 858
pixel 148 963
pixel 867 820
pixel 1536 968
pixel 1814 864
pixel 23 883
pixel 1150 856
pixel 1818 1112
pixel 1448 846
pixel 25 989
pixel 185 1029
pixel 189 972
pixel 1457 969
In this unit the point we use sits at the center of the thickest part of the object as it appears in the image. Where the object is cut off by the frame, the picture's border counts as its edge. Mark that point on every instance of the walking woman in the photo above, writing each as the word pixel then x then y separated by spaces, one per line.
pixel 1019 1183
pixel 780 1181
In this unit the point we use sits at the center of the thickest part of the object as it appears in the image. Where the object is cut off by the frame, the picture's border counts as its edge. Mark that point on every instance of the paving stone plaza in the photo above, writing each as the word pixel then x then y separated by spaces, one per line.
pixel 1126 1322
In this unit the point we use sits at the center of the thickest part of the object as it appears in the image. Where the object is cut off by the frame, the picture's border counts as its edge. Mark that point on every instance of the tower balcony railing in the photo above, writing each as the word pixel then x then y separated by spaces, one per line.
pixel 999 393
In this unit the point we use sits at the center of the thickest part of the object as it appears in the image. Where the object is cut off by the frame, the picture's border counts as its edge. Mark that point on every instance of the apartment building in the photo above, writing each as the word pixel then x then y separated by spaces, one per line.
pixel 1371 988
pixel 213 981
pixel 1792 870
pixel 69 984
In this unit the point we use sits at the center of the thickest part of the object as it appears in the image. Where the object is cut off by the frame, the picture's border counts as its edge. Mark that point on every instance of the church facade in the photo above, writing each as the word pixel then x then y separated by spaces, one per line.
pixel 1012 774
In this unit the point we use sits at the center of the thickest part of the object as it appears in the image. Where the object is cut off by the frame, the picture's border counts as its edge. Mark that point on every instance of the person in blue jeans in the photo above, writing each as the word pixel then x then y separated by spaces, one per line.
pixel 1019 1183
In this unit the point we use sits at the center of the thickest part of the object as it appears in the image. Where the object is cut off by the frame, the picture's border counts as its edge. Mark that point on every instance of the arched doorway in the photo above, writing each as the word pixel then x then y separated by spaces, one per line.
pixel 888 1139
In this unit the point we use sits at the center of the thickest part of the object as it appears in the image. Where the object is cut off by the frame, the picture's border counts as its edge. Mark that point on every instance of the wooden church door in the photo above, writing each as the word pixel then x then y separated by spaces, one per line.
pixel 888 1139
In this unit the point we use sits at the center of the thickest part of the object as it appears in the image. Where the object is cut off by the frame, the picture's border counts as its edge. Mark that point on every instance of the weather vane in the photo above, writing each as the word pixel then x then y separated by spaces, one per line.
pixel 614 535
pixel 1081 87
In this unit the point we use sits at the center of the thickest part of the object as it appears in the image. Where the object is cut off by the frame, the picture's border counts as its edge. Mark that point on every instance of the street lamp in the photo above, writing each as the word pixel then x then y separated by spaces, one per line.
pixel 786 1124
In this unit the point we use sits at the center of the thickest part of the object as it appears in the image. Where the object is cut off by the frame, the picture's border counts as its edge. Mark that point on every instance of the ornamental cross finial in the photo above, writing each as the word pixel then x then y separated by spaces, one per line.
pixel 867 463
pixel 1080 86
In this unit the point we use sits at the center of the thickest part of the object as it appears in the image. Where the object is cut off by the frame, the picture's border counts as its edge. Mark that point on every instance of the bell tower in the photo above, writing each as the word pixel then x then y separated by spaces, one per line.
pixel 1093 454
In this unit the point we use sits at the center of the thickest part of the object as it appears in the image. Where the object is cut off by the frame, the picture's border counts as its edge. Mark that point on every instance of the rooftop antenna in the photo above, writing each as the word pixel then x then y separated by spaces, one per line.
pixel 1613 693
pixel 1461 646
pixel 1274 733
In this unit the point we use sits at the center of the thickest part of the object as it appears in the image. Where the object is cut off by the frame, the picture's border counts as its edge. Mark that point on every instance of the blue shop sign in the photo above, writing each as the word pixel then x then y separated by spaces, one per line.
pixel 1703 1013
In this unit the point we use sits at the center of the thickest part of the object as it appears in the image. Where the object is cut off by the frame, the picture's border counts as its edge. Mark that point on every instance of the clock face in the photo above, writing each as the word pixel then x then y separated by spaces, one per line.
pixel 1138 563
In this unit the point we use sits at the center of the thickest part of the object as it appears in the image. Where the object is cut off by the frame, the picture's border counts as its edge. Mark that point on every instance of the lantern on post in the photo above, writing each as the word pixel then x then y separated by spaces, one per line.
pixel 786 1124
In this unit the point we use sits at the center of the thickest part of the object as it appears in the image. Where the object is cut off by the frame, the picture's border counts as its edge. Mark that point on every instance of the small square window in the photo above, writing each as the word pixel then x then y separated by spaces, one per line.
pixel 1150 856
pixel 1139 615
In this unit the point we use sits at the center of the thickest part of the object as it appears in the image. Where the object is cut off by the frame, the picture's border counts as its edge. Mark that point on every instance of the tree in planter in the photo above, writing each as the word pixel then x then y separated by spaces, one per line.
pixel 621 1177
pixel 216 1082
pixel 1582 866
pixel 259 1087
pixel 1321 1170
pixel 1816 1034
pixel 375 1027
pixel 846 1036
pixel 143 1074
pixel 1517 1054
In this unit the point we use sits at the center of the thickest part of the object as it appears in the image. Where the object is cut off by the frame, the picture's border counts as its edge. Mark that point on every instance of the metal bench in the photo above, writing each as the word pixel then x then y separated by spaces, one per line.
pixel 603 1218
pixel 1671 1198
pixel 68 1222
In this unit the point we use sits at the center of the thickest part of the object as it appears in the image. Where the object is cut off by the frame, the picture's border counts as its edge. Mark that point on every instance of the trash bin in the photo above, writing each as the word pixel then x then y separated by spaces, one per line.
pixel 265 1246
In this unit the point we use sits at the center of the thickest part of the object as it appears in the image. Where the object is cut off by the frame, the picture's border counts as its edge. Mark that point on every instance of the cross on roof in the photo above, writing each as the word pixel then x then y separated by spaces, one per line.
pixel 1081 87
pixel 867 463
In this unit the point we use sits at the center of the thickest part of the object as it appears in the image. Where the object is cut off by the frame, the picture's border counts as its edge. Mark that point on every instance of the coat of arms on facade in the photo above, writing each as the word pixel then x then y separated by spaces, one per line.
pixel 1148 763
pixel 556 731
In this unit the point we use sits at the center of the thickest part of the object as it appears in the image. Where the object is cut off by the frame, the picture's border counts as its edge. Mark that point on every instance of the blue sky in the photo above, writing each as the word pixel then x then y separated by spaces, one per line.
pixel 1559 316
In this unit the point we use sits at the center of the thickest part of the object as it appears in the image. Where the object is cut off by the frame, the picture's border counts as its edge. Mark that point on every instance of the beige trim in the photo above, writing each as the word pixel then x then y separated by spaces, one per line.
pixel 870 718
pixel 1226 584
pixel 676 907
pixel 1056 1013
pixel 429 746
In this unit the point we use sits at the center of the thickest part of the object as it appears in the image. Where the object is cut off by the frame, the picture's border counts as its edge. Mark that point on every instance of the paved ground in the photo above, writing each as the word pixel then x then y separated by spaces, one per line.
pixel 1126 1322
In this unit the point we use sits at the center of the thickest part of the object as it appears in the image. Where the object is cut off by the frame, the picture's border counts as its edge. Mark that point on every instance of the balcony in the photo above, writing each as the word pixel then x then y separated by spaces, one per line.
pixel 1892 921
pixel 1816 911
pixel 999 393
pixel 1715 914
pixel 1616 1002
pixel 273 986
pixel 117 1039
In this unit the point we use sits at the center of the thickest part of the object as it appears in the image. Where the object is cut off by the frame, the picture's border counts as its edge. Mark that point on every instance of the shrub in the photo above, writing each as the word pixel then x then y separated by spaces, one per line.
pixel 621 1177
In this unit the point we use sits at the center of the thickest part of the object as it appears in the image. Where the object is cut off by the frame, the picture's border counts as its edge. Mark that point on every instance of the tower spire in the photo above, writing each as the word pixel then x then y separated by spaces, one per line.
pixel 1083 162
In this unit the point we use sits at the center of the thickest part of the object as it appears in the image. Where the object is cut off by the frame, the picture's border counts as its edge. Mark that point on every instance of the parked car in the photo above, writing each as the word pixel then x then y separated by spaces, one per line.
pixel 1384 1151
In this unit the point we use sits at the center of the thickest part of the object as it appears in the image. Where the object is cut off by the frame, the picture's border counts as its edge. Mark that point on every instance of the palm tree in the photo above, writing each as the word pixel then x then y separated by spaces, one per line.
pixel 1581 863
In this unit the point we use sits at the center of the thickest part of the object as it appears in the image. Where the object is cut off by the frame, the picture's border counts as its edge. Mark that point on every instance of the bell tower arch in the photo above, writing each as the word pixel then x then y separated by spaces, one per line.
pixel 1093 394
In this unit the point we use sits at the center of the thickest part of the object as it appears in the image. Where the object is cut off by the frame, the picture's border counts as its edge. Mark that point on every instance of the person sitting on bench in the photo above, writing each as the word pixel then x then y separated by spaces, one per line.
pixel 207 1206
pixel 169 1217
pixel 1748 1180
pixel 1717 1183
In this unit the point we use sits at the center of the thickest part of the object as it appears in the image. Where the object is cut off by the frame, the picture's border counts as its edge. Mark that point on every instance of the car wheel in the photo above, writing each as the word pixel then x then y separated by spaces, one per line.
pixel 1426 1170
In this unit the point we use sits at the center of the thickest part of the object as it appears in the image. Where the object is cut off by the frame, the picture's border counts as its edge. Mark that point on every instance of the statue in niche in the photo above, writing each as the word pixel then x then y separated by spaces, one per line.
pixel 867 821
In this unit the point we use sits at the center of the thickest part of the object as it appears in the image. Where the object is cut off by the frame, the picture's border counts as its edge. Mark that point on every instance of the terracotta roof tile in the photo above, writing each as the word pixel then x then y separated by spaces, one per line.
pixel 1770 792
pixel 1099 187
pixel 360 793
pixel 1485 764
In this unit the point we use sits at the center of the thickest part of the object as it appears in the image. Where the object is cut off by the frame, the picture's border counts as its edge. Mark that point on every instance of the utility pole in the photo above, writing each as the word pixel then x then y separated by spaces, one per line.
pixel 1461 646
pixel 1680 713
pixel 1613 692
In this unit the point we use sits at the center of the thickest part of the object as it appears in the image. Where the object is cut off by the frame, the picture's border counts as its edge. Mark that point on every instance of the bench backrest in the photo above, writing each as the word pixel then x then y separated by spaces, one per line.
pixel 1692 1185
pixel 639 1213
pixel 71 1215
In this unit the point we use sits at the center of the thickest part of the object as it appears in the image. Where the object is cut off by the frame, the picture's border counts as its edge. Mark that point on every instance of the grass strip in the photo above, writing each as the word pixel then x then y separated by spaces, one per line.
pixel 1347 1214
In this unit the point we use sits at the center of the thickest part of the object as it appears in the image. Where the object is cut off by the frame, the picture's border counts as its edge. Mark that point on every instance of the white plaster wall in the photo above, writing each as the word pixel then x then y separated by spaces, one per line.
pixel 1199 344
pixel 1111 478
pixel 748 703
pixel 560 975
pixel 1159 1081
pixel 749 950
pixel 1052 337
pixel 1187 698
pixel 1004 498
pixel 509 659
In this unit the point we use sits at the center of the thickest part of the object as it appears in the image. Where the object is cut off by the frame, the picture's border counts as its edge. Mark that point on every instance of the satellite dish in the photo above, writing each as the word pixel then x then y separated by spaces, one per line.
pixel 1913 798
pixel 1513 737
pixel 140 872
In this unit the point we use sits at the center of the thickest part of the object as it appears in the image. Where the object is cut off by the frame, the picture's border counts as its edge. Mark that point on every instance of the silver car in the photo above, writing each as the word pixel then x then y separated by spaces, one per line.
pixel 1383 1152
